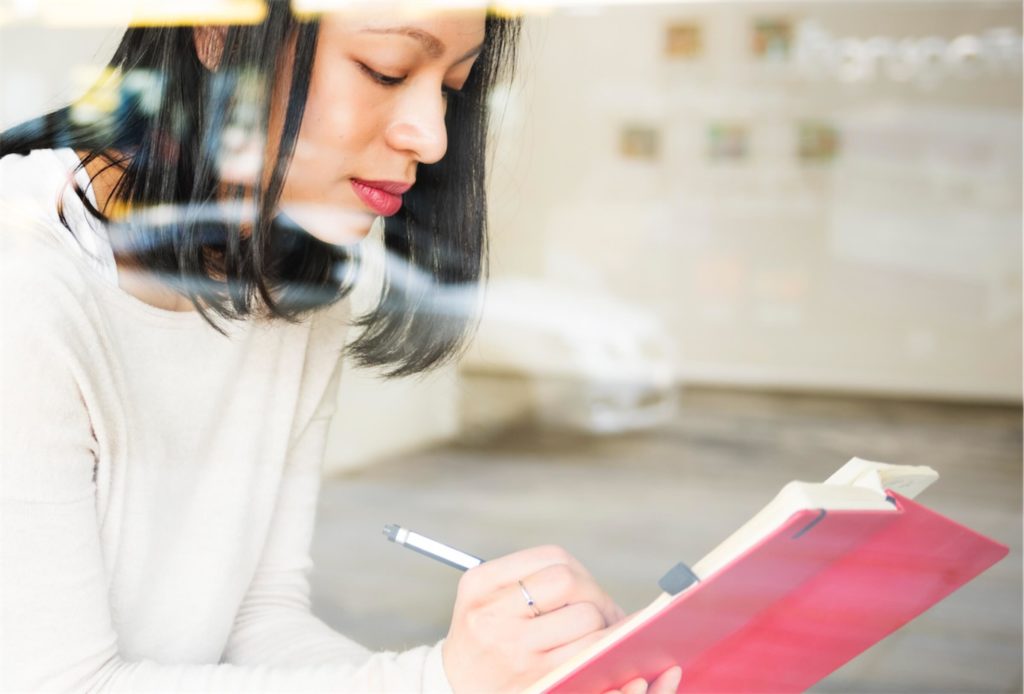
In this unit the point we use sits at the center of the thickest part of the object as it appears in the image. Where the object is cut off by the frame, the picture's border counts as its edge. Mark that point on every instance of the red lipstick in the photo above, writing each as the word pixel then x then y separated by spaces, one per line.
pixel 383 197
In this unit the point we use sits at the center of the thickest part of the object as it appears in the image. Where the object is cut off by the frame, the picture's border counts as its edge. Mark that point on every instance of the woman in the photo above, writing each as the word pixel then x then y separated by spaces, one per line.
pixel 174 272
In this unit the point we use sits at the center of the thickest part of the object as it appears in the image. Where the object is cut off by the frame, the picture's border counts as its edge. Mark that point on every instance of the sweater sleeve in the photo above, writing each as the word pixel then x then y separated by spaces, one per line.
pixel 56 628
pixel 274 624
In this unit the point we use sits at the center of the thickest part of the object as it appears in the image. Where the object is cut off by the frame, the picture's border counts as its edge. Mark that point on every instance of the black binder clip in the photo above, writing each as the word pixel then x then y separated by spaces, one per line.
pixel 678 579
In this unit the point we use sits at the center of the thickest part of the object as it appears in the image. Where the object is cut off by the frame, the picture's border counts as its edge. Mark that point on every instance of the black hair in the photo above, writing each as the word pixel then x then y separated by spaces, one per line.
pixel 165 134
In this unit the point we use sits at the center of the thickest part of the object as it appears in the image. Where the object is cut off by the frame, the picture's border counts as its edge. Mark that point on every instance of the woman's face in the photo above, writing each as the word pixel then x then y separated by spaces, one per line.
pixel 375 111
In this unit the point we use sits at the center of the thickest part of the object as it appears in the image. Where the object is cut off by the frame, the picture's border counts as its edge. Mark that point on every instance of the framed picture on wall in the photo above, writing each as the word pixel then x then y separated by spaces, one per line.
pixel 638 141
pixel 683 41
pixel 771 39
pixel 817 141
pixel 728 141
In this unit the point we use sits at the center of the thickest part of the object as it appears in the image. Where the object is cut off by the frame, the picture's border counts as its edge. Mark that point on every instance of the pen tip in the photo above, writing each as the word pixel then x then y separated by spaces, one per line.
pixel 391 531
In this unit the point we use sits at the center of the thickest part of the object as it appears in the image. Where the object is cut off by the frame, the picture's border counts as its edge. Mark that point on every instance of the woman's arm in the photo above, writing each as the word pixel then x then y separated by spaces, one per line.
pixel 57 629
pixel 57 632
pixel 274 624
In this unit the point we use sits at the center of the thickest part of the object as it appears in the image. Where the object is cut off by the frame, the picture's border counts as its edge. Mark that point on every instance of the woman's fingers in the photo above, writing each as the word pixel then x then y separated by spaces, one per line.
pixel 667 682
pixel 620 614
pixel 564 625
pixel 556 586
pixel 510 568
pixel 556 656
pixel 518 616
pixel 637 686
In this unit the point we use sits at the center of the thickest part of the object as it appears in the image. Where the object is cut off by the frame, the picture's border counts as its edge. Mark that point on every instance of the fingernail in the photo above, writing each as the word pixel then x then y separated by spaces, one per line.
pixel 675 676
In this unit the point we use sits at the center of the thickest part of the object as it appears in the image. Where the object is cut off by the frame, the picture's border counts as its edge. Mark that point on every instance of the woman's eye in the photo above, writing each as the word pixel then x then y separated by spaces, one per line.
pixel 380 78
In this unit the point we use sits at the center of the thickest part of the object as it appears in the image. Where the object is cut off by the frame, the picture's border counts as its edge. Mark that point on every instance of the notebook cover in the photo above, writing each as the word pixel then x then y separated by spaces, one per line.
pixel 805 600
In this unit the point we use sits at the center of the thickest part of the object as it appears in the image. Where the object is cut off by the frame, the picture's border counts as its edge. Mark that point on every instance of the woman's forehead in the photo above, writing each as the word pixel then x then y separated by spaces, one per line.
pixel 436 31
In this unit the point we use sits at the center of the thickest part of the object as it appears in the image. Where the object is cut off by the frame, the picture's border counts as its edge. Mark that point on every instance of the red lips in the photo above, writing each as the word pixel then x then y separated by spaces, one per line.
pixel 383 197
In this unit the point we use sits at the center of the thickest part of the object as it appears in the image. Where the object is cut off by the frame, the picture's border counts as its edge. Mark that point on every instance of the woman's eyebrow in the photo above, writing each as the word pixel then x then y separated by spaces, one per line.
pixel 432 44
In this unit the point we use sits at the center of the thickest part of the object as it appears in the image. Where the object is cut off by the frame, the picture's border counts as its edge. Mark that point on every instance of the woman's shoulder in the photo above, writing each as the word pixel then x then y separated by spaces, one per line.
pixel 41 256
pixel 41 287
pixel 44 297
pixel 31 184
pixel 41 208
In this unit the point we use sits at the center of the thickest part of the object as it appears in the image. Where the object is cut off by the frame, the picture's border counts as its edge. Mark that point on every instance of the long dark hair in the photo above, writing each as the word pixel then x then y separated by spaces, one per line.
pixel 165 136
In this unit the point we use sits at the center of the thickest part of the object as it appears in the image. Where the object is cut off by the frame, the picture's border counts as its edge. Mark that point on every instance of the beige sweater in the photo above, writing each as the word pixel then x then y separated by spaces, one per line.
pixel 159 480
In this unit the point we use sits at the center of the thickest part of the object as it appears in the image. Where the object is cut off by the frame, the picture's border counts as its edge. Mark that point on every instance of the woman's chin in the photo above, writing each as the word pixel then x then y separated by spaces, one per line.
pixel 329 223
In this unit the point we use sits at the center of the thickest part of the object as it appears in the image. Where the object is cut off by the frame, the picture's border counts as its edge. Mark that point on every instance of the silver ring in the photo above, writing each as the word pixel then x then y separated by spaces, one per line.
pixel 529 599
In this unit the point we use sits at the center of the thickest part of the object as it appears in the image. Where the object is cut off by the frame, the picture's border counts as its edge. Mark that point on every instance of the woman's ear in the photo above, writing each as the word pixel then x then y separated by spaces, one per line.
pixel 209 42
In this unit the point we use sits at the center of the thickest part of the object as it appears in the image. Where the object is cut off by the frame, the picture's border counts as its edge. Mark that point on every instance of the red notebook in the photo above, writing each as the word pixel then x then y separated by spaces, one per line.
pixel 818 589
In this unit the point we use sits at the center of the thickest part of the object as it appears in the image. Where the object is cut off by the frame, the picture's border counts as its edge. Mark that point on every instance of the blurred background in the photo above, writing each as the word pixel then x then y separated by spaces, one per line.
pixel 733 244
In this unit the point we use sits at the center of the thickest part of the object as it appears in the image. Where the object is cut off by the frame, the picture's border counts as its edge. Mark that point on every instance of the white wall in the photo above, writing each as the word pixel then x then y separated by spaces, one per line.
pixel 894 269
pixel 43 68
pixel 378 419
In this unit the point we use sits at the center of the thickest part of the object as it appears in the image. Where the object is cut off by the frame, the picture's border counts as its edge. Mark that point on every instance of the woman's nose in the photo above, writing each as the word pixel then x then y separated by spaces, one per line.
pixel 418 126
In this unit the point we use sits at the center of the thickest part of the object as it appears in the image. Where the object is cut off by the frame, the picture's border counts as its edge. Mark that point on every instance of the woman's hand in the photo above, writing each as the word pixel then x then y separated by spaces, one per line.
pixel 498 642
pixel 667 683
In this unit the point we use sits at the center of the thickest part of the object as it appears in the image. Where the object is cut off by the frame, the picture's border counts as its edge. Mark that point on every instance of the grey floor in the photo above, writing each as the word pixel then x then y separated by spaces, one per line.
pixel 631 506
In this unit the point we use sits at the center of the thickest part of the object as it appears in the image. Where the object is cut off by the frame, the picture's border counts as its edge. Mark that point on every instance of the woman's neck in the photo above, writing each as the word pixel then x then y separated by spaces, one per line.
pixel 130 278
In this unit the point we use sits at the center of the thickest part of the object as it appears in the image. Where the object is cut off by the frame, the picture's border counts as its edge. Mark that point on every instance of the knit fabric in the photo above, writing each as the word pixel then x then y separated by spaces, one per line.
pixel 159 479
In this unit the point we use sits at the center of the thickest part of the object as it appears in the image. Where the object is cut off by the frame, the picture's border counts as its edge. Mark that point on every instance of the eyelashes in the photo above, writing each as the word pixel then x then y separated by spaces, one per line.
pixel 380 78
pixel 392 81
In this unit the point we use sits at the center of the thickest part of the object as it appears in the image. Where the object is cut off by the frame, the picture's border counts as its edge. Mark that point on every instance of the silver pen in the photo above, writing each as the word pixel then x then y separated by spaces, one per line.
pixel 431 548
